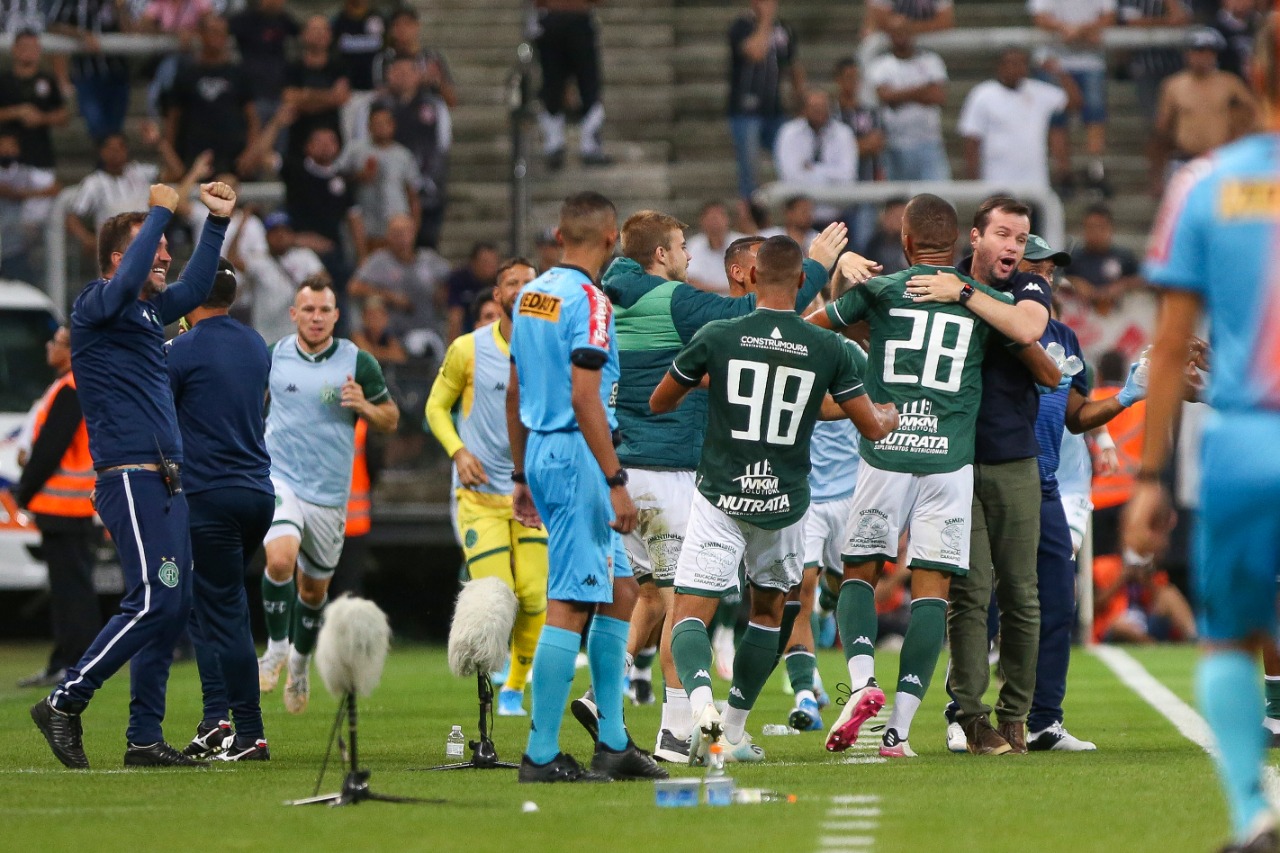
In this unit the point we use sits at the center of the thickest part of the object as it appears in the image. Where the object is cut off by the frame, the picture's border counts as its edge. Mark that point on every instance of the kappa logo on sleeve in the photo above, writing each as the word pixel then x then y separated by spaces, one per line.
pixel 540 306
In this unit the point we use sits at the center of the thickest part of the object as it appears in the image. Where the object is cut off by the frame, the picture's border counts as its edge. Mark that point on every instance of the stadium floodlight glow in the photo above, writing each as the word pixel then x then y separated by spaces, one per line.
pixel 350 653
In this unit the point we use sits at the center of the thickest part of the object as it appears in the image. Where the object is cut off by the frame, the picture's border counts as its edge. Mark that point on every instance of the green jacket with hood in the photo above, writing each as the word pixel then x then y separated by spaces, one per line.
pixel 653 320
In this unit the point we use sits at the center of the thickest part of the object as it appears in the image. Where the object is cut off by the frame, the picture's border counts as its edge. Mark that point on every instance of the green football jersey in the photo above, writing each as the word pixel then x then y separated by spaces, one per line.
pixel 769 372
pixel 927 358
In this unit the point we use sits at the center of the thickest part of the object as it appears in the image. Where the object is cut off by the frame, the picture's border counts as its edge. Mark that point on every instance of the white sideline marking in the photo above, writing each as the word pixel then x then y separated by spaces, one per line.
pixel 1170 706
pixel 850 836
pixel 866 759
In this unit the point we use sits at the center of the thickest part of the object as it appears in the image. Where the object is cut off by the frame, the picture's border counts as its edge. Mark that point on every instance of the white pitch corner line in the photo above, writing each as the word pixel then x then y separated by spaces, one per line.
pixel 856 836
pixel 1170 706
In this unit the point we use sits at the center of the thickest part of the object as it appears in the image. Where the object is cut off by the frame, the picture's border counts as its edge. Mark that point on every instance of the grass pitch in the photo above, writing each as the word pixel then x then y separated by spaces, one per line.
pixel 1146 789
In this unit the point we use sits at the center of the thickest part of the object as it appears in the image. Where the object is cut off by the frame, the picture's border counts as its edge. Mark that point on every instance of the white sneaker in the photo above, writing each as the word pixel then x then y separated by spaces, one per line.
pixel 723 648
pixel 706 732
pixel 956 741
pixel 859 706
pixel 891 746
pixel 269 666
pixel 1057 738
pixel 743 752
pixel 297 689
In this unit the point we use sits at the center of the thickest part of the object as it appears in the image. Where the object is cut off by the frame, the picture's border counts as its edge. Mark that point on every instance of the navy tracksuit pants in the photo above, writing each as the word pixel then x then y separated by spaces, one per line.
pixel 227 529
pixel 1056 570
pixel 149 528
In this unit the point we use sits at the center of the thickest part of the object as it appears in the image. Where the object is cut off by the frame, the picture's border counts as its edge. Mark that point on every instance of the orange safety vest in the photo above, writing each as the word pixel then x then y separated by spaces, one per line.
pixel 1126 430
pixel 358 504
pixel 67 492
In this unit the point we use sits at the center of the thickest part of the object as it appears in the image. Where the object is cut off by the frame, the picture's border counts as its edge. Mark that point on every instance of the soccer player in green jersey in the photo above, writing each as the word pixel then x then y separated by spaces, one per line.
pixel 767 374
pixel 926 358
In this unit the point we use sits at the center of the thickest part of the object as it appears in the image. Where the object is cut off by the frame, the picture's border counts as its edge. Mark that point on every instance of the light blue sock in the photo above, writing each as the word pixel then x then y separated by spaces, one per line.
pixel 551 678
pixel 606 653
pixel 1228 692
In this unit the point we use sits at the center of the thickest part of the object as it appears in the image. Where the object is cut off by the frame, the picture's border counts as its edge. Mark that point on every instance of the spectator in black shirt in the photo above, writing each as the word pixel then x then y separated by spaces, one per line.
pixel 404 41
pixel 211 105
pixel 31 103
pixel 761 48
pixel 101 81
pixel 319 201
pixel 316 86
pixel 423 126
pixel 1238 21
pixel 467 283
pixel 567 50
pixel 1151 66
pixel 263 34
pixel 357 33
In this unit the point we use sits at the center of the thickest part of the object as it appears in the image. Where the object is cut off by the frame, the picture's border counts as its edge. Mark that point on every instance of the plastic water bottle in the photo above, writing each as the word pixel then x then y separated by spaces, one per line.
pixel 750 796
pixel 1144 367
pixel 776 729
pixel 454 743
pixel 715 762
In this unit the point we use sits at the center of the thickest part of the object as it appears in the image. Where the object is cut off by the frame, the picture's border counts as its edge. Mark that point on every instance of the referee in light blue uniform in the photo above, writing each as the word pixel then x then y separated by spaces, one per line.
pixel 117 353
pixel 218 372
pixel 560 403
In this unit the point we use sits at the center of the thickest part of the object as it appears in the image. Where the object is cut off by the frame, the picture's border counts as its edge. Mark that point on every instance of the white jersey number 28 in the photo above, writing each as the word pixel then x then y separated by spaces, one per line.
pixel 768 396
pixel 936 375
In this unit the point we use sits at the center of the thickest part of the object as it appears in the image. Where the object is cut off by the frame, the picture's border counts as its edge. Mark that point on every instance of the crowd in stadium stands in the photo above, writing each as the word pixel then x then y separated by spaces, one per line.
pixel 352 113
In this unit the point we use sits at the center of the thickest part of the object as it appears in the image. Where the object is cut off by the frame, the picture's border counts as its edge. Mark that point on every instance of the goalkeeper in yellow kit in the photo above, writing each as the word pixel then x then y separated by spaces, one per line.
pixel 475 372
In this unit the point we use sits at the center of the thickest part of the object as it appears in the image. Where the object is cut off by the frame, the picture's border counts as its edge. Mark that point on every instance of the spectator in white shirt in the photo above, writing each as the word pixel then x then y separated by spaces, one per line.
pixel 1005 123
pixel 816 149
pixel 246 236
pixel 117 185
pixel 706 249
pixel 1079 24
pixel 912 86
pixel 274 278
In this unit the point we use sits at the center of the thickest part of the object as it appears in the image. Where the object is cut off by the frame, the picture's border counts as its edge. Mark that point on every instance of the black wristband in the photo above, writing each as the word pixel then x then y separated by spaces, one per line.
pixel 519 477
pixel 618 479
pixel 221 220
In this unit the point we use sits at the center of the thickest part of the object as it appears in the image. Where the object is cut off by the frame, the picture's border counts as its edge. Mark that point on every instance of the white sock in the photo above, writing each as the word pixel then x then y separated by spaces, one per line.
pixel 298 663
pixel 677 712
pixel 861 669
pixel 638 674
pixel 817 680
pixel 592 124
pixel 552 128
pixel 802 695
pixel 699 699
pixel 277 647
pixel 904 711
pixel 735 724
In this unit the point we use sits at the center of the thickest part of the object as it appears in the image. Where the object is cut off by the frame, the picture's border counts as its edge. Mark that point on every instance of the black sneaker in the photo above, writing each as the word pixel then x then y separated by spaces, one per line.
pixel 158 754
pixel 587 714
pixel 629 763
pixel 1272 738
pixel 671 748
pixel 641 691
pixel 555 160
pixel 253 751
pixel 596 159
pixel 43 678
pixel 210 739
pixel 562 768
pixel 62 731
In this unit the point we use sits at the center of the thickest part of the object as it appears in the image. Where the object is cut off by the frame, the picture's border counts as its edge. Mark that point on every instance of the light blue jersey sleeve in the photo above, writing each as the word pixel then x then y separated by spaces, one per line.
pixel 1177 257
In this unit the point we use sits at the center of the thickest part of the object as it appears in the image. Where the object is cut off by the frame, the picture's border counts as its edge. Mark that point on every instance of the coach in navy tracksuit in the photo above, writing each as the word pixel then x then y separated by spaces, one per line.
pixel 219 373
pixel 117 353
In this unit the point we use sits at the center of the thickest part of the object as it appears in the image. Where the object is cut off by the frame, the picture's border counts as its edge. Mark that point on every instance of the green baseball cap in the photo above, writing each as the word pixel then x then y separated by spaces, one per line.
pixel 1038 250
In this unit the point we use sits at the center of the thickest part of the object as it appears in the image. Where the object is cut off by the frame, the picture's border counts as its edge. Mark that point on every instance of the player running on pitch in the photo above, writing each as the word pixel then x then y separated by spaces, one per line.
pixel 319 386
pixel 927 359
pixel 767 373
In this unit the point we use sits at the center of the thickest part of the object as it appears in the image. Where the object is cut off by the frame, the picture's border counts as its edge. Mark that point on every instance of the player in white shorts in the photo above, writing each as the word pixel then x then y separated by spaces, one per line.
pixel 319 385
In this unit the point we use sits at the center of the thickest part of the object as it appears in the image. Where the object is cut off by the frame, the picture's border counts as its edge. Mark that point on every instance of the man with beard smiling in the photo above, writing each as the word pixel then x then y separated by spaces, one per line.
pixel 117 339
pixel 1006 480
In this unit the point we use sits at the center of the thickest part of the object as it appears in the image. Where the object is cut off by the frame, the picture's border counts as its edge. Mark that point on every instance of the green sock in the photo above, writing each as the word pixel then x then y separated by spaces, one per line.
pixel 305 626
pixel 800 667
pixel 277 601
pixel 922 645
pixel 691 649
pixel 1272 685
pixel 790 610
pixel 644 660
pixel 856 618
pixel 727 612
pixel 752 665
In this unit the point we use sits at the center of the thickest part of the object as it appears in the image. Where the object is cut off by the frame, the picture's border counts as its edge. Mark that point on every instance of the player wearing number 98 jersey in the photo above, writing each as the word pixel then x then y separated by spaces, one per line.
pixel 767 376
pixel 926 358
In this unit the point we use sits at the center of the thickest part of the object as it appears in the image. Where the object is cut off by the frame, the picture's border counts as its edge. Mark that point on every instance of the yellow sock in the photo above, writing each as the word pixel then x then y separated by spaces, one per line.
pixel 524 641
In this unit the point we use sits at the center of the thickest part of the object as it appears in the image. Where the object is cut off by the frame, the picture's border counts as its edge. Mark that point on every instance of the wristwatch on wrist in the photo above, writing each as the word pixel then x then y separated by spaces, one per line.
pixel 966 293
pixel 618 479
pixel 518 477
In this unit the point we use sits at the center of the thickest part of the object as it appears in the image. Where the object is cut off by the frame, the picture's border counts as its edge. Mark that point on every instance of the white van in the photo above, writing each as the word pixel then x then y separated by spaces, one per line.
pixel 28 318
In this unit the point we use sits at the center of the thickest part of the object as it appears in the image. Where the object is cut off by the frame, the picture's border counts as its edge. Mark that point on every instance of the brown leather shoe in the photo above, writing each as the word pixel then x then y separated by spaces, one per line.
pixel 982 739
pixel 1016 736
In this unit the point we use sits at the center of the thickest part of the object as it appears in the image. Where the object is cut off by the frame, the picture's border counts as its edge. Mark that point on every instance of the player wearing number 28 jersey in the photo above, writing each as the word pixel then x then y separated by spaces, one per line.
pixel 767 375
pixel 926 358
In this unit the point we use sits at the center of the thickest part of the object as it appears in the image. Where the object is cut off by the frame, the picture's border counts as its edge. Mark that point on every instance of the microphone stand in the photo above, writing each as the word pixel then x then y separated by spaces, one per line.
pixel 483 754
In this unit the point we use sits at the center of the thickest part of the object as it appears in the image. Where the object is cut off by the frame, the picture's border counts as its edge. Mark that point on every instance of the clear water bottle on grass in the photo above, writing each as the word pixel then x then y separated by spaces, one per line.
pixel 454 744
